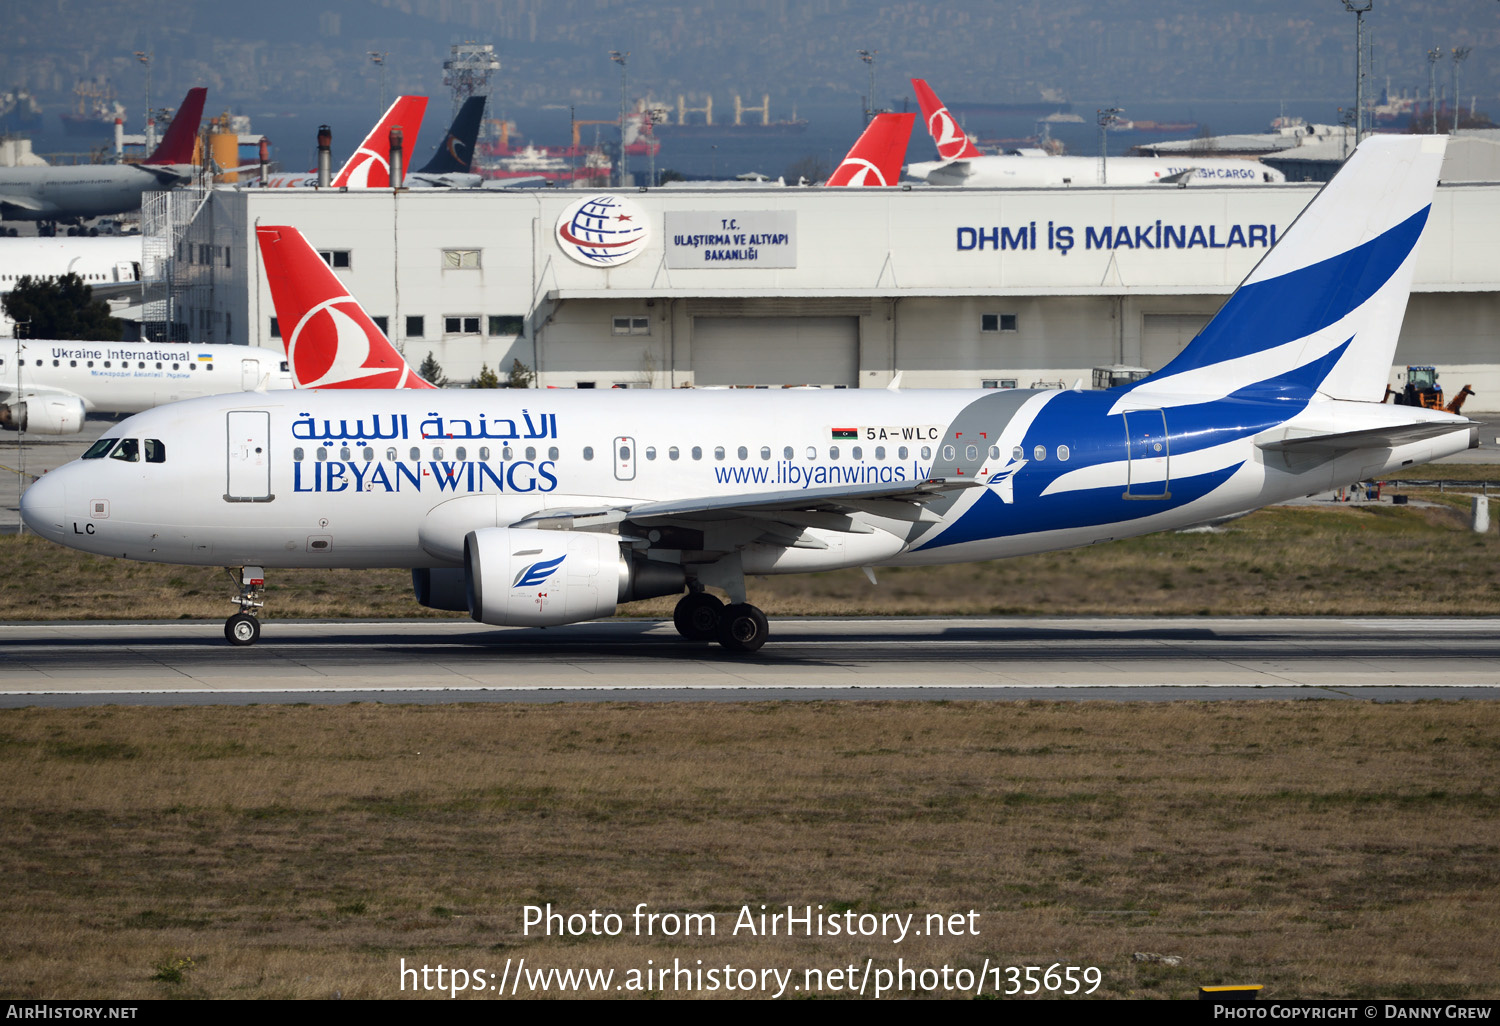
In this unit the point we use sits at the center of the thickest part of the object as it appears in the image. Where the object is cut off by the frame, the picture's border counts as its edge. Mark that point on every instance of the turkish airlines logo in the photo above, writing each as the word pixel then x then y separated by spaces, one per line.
pixel 950 139
pixel 329 348
pixel 602 231
pixel 367 170
pixel 857 171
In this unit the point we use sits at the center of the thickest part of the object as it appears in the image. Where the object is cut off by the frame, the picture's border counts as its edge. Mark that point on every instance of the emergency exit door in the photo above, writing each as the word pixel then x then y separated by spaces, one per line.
pixel 249 443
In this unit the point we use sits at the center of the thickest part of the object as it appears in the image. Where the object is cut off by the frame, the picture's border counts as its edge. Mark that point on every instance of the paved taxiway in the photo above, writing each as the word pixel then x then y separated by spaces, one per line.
pixel 426 660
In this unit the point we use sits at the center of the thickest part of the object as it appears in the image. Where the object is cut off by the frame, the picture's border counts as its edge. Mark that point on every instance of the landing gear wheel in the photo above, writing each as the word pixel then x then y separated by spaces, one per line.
pixel 242 629
pixel 697 616
pixel 742 628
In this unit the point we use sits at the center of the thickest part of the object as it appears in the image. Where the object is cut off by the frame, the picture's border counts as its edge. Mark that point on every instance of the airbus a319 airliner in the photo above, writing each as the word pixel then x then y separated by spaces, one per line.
pixel 536 508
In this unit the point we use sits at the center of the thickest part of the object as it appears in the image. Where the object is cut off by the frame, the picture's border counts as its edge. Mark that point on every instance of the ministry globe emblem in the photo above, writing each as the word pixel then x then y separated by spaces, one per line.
pixel 602 231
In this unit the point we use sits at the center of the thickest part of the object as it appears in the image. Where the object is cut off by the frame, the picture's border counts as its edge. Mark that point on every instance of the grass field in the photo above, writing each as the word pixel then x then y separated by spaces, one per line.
pixel 1346 560
pixel 1317 848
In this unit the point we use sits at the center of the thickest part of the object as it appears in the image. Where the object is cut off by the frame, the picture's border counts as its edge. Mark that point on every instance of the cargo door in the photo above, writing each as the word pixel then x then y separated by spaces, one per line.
pixel 1150 455
pixel 249 438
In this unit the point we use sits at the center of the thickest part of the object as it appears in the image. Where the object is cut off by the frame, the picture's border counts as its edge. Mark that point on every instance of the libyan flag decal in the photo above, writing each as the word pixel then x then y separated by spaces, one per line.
pixel 845 433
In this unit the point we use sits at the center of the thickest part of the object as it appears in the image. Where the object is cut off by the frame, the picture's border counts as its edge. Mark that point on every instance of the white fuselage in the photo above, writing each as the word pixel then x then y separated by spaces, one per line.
pixel 81 191
pixel 101 260
pixel 128 377
pixel 397 478
pixel 1052 172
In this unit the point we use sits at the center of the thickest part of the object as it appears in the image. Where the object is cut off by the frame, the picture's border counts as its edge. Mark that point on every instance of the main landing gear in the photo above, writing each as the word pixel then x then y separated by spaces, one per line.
pixel 739 627
pixel 243 628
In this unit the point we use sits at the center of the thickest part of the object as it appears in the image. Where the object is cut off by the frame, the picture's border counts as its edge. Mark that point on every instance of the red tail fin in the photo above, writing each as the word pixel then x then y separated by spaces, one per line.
pixel 952 142
pixel 176 147
pixel 877 155
pixel 370 167
pixel 330 340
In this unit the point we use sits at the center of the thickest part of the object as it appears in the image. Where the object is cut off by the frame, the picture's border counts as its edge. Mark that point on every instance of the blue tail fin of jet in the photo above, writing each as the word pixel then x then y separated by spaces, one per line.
pixel 456 152
pixel 1332 293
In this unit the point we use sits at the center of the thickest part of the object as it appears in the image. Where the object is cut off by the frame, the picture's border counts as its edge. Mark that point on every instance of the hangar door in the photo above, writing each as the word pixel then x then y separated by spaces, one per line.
pixel 1163 336
pixel 776 350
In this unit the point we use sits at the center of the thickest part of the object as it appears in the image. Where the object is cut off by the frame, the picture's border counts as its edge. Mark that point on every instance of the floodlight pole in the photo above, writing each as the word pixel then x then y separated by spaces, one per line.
pixel 1460 54
pixel 1107 117
pixel 144 56
pixel 377 57
pixel 620 58
pixel 868 56
pixel 1360 9
pixel 1433 56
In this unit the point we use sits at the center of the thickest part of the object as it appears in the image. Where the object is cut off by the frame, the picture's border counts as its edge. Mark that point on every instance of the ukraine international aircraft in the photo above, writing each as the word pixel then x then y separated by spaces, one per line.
pixel 536 508
pixel 962 164
pixel 82 191
pixel 46 388
pixel 369 166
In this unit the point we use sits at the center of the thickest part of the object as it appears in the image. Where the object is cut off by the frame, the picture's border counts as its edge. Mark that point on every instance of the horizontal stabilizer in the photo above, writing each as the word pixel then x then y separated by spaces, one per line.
pixel 1385 437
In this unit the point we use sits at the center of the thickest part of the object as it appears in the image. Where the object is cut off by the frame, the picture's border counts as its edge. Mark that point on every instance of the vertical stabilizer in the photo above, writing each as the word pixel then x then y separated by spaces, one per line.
pixel 456 152
pixel 952 142
pixel 330 341
pixel 370 166
pixel 1328 300
pixel 877 155
pixel 176 147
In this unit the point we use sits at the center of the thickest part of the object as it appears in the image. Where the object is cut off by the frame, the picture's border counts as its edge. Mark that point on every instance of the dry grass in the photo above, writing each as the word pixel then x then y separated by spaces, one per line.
pixel 1317 848
pixel 1366 560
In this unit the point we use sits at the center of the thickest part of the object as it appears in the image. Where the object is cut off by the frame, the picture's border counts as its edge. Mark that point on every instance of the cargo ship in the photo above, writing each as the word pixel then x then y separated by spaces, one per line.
pixel 19 111
pixel 94 109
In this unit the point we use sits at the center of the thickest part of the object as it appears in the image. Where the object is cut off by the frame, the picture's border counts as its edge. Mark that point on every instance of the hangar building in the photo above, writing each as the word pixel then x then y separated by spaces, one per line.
pixel 768 286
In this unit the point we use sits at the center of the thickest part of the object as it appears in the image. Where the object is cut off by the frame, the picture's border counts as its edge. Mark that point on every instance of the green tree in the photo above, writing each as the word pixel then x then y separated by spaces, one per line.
pixel 61 308
pixel 432 372
pixel 521 376
pixel 487 378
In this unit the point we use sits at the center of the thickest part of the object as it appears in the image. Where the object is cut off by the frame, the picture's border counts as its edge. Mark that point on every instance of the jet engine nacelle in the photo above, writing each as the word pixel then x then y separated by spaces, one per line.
pixel 44 415
pixel 524 577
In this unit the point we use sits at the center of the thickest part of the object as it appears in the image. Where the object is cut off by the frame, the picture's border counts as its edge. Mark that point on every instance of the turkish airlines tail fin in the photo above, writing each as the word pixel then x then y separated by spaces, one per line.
pixel 456 152
pixel 877 155
pixel 952 142
pixel 330 341
pixel 176 147
pixel 1322 311
pixel 370 166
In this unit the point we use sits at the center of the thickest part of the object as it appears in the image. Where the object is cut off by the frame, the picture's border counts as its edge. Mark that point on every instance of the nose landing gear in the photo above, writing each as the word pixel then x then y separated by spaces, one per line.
pixel 243 628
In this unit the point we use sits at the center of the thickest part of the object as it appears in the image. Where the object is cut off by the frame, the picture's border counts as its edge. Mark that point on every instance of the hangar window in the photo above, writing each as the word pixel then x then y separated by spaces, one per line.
pixel 275 328
pixel 501 324
pixel 458 259
pixel 384 324
pixel 632 326
pixel 997 322
pixel 336 258
pixel 460 324
pixel 416 327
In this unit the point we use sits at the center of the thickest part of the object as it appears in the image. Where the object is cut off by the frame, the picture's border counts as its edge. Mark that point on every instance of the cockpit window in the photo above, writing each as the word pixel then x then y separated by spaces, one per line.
pixel 129 450
pixel 156 452
pixel 100 448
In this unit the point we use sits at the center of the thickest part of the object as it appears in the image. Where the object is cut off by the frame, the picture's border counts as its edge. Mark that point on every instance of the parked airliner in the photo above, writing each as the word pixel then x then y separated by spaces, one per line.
pixel 963 165
pixel 47 387
pixel 537 508
pixel 82 191
pixel 369 165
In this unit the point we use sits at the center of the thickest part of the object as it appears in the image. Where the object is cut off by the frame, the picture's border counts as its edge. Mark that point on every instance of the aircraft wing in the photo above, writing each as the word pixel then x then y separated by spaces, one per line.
pixel 1368 438
pixel 11 199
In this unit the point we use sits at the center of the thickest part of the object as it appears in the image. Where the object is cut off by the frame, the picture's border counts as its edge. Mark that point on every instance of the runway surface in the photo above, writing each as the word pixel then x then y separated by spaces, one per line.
pixel 189 662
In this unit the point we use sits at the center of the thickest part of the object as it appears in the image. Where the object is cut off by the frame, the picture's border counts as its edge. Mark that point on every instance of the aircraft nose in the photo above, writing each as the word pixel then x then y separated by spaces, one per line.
pixel 44 505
